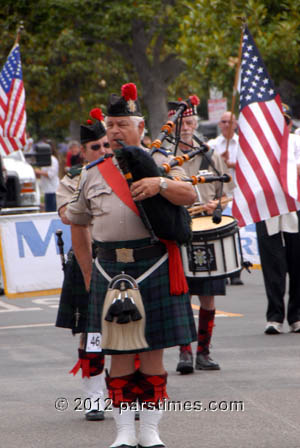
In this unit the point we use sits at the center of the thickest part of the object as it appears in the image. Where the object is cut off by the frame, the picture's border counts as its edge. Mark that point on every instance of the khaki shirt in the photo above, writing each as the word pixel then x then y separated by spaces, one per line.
pixel 66 188
pixel 209 191
pixel 112 219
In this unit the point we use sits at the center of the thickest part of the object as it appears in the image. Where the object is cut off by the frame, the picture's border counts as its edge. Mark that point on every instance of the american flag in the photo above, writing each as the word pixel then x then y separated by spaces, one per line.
pixel 12 104
pixel 266 173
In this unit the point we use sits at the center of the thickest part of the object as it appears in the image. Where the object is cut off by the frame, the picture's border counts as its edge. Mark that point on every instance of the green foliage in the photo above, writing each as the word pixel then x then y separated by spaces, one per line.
pixel 211 34
pixel 76 51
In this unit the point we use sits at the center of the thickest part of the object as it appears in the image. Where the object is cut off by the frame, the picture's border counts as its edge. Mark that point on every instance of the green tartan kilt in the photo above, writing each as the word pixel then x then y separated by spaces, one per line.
pixel 74 298
pixel 169 319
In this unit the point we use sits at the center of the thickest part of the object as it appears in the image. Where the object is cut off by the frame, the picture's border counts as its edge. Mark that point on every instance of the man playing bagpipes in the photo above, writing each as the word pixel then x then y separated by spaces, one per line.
pixel 72 311
pixel 208 195
pixel 138 291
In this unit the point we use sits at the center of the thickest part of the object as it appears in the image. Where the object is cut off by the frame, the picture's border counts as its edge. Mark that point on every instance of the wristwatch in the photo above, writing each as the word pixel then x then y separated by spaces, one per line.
pixel 163 184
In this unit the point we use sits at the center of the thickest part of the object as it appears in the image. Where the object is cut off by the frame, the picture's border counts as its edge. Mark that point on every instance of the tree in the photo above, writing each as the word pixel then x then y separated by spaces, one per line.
pixel 144 34
pixel 63 72
pixel 76 51
pixel 210 39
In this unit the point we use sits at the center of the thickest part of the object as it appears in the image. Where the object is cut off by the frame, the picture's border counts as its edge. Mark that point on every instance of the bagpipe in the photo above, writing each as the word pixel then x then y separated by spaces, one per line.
pixel 163 219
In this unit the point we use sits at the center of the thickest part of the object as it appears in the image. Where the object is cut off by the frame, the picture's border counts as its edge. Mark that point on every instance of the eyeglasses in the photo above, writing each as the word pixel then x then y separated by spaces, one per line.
pixel 98 146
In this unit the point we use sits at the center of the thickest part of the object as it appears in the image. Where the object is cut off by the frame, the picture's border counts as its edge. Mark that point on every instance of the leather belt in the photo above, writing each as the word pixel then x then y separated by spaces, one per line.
pixel 125 255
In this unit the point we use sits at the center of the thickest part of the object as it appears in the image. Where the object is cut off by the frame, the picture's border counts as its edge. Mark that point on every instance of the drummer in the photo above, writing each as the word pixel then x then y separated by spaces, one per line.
pixel 208 195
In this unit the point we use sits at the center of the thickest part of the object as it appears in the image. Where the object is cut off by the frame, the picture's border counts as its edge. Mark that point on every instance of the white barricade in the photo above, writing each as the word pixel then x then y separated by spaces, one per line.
pixel 29 255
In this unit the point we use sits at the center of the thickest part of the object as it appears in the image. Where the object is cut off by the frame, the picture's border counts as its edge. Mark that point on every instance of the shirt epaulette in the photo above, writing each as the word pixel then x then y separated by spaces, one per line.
pixel 74 171
pixel 96 162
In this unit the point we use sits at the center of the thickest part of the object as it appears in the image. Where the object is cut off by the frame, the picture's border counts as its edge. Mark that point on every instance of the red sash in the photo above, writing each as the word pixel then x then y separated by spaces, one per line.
pixel 116 181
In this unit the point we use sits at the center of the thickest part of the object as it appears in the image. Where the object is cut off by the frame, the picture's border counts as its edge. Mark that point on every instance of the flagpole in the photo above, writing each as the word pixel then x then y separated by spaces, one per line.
pixel 235 89
pixel 19 31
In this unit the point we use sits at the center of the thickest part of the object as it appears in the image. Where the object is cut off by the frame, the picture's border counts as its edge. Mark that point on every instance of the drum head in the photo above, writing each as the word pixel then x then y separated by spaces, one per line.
pixel 202 223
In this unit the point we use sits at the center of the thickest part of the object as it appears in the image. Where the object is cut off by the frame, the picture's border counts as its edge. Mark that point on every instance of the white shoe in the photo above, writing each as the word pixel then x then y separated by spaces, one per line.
pixel 273 328
pixel 295 327
pixel 148 435
pixel 125 423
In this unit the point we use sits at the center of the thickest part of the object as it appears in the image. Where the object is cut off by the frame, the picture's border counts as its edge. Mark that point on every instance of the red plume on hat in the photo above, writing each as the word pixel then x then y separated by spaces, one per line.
pixel 97 114
pixel 194 100
pixel 129 92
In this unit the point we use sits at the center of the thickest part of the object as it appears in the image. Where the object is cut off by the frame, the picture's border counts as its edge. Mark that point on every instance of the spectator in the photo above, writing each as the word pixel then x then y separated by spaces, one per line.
pixel 49 180
pixel 73 156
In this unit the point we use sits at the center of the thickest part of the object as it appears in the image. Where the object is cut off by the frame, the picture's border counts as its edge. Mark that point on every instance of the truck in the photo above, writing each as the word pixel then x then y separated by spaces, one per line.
pixel 23 193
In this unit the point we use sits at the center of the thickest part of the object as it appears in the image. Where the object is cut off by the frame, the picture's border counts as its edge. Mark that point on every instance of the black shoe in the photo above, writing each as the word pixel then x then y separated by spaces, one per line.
pixel 128 446
pixel 94 416
pixel 236 281
pixel 273 328
pixel 204 362
pixel 152 446
pixel 185 364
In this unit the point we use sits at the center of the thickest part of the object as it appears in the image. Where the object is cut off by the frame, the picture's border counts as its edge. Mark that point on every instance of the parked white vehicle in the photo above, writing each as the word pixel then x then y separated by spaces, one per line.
pixel 23 194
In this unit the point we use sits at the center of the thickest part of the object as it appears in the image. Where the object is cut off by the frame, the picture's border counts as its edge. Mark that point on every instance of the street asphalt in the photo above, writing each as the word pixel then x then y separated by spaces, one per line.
pixel 252 402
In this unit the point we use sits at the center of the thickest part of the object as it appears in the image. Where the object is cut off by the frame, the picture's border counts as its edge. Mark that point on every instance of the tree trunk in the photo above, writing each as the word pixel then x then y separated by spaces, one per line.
pixel 74 129
pixel 155 73
pixel 154 97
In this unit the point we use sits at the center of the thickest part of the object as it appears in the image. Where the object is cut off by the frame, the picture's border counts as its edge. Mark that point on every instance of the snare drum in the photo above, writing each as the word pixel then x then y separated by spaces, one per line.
pixel 215 250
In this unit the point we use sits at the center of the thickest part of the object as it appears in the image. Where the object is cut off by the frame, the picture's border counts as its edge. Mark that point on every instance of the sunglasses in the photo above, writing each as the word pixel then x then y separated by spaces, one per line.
pixel 98 146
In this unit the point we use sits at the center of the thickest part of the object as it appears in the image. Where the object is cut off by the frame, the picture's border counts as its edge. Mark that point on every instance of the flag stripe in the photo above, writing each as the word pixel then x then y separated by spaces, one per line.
pixel 257 166
pixel 256 125
pixel 7 144
pixel 272 123
pixel 248 192
pixel 18 112
pixel 14 108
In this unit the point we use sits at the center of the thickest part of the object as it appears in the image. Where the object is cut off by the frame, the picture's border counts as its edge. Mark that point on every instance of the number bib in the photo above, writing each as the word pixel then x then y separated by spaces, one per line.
pixel 93 343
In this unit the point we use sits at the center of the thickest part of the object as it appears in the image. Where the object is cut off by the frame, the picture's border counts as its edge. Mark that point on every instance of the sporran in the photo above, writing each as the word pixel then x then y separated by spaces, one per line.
pixel 123 316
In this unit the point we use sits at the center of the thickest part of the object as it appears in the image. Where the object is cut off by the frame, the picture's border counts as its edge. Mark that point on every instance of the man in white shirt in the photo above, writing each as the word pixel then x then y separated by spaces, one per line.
pixel 227 127
pixel 226 145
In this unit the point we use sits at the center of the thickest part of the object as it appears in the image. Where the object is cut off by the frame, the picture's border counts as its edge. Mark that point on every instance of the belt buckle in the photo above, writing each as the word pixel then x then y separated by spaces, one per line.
pixel 125 255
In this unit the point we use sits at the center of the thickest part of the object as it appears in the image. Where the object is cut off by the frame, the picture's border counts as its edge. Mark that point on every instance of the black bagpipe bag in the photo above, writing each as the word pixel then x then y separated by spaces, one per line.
pixel 169 221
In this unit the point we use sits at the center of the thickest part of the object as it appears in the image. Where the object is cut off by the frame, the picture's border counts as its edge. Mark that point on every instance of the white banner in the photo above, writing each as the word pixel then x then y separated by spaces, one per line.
pixel 216 108
pixel 29 254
